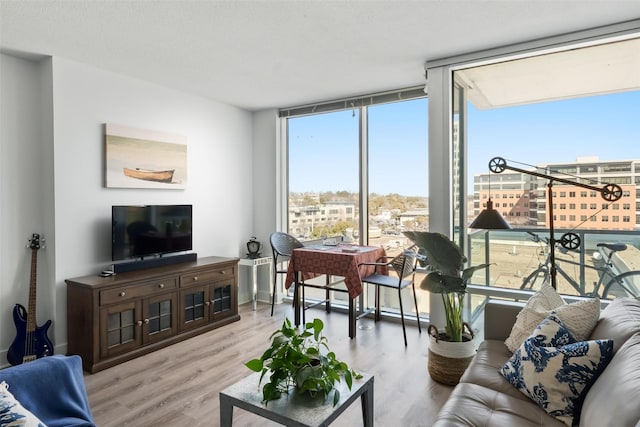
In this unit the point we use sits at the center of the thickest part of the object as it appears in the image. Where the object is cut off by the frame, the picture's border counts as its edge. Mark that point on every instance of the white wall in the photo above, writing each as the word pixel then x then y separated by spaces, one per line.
pixel 25 172
pixel 220 180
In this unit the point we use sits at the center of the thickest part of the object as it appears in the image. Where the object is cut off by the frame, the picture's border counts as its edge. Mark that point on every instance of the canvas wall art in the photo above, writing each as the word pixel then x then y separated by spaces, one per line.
pixel 137 158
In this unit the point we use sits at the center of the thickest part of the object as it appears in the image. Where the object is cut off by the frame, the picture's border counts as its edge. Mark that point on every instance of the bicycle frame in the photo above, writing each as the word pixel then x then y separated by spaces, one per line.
pixel 544 268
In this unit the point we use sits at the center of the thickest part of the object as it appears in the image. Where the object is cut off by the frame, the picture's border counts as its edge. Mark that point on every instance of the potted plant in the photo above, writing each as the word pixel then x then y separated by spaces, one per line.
pixel 451 350
pixel 301 359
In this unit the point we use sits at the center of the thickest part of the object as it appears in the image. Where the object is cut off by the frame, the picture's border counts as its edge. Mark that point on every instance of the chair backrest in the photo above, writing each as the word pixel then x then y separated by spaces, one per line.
pixel 282 244
pixel 404 264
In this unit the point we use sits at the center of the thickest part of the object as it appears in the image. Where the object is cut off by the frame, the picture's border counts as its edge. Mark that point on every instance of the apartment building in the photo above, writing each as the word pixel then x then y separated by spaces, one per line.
pixel 522 199
pixel 304 219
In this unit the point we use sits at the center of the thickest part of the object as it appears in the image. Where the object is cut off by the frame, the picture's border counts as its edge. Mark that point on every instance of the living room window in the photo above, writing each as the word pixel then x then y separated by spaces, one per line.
pixel 545 113
pixel 367 154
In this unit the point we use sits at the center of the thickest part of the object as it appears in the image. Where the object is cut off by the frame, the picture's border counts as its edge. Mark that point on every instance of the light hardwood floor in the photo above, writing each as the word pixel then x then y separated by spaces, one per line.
pixel 179 385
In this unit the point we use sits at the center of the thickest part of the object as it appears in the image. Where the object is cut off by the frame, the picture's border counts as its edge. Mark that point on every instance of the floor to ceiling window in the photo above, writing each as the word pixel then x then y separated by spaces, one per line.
pixel 398 183
pixel 571 115
pixel 363 155
pixel 324 156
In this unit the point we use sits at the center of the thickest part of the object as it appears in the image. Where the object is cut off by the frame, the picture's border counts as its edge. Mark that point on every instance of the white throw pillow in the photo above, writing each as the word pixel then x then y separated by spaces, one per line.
pixel 12 413
pixel 580 317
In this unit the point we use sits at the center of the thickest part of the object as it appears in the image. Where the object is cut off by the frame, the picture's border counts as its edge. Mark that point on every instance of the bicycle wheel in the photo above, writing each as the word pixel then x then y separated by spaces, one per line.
pixel 623 285
pixel 535 280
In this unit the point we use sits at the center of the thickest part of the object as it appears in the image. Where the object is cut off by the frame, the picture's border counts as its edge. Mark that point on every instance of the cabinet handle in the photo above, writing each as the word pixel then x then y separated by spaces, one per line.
pixel 161 285
pixel 195 278
pixel 122 294
pixel 146 321
pixel 223 272
pixel 139 322
pixel 207 303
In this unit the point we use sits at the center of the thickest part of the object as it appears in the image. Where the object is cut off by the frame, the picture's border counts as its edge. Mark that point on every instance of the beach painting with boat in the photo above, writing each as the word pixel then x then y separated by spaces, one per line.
pixel 137 158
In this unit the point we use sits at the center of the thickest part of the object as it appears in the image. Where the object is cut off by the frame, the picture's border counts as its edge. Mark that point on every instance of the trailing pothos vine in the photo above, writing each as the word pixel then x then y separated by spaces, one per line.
pixel 301 359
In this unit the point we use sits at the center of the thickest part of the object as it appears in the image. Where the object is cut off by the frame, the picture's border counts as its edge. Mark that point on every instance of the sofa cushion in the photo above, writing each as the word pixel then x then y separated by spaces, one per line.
pixel 12 413
pixel 618 321
pixel 499 318
pixel 580 317
pixel 612 400
pixel 554 370
pixel 484 369
pixel 473 405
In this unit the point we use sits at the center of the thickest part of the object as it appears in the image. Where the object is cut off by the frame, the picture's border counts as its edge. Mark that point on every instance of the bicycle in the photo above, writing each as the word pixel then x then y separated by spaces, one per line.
pixel 617 285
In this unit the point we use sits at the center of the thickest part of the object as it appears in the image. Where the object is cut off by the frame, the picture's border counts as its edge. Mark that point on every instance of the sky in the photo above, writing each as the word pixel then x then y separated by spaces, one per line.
pixel 324 148
pixel 606 126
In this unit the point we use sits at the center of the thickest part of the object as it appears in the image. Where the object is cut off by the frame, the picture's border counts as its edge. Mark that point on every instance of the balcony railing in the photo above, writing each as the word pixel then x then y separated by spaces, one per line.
pixel 514 255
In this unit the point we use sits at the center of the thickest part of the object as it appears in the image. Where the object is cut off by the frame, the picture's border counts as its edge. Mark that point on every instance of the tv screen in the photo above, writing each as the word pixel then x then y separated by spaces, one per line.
pixel 139 231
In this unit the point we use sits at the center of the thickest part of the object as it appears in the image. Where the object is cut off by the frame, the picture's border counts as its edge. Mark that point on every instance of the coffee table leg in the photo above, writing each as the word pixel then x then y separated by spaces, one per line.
pixel 367 406
pixel 226 412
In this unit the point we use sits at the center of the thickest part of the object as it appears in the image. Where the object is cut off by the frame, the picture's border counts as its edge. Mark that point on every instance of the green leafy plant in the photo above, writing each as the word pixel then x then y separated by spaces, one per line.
pixel 301 359
pixel 447 275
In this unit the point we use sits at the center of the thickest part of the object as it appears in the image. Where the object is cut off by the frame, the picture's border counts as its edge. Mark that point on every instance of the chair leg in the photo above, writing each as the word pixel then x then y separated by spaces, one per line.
pixel 275 284
pixel 404 331
pixel 415 300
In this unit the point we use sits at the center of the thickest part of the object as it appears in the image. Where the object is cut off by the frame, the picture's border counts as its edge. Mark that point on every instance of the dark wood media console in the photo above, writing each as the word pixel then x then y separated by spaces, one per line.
pixel 114 319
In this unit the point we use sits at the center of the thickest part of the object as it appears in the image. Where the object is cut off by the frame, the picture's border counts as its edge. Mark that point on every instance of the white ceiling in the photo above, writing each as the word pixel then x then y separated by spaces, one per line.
pixel 266 54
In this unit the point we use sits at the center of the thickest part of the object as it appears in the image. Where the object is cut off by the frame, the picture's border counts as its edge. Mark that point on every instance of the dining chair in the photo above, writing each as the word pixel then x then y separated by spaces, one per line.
pixel 282 245
pixel 404 266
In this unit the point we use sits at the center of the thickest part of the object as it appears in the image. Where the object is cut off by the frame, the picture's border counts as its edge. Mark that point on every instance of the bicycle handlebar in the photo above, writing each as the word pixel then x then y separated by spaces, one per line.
pixel 534 236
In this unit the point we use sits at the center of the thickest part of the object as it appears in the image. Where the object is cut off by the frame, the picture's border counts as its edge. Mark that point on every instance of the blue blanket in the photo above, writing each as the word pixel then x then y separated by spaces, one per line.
pixel 53 389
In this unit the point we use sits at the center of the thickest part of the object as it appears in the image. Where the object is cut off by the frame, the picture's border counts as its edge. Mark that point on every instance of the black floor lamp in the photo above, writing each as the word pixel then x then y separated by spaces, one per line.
pixel 491 219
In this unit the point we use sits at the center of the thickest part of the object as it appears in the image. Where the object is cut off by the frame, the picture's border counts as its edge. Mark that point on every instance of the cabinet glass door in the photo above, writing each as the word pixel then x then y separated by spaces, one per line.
pixel 120 328
pixel 194 310
pixel 159 317
pixel 222 301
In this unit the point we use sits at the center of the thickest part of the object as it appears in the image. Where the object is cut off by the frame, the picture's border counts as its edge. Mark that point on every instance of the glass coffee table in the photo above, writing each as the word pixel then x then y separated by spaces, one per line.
pixel 296 410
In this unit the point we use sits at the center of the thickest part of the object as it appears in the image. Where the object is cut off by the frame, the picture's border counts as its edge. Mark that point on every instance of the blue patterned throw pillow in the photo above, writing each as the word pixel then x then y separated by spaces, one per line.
pixel 12 413
pixel 556 371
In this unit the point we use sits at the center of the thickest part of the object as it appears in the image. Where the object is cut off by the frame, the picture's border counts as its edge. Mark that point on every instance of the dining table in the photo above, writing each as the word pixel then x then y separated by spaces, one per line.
pixel 342 260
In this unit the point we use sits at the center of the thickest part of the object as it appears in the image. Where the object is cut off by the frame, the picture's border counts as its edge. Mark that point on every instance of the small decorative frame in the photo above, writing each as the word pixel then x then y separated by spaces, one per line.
pixel 137 158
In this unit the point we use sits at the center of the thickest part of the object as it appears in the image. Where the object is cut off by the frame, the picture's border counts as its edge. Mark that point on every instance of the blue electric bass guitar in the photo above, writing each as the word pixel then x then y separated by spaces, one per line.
pixel 31 341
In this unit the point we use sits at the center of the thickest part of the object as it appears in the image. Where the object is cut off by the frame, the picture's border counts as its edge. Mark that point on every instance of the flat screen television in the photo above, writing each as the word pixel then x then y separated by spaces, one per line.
pixel 150 230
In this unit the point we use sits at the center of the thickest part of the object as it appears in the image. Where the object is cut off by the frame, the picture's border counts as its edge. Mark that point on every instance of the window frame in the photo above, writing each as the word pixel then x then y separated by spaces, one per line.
pixel 442 110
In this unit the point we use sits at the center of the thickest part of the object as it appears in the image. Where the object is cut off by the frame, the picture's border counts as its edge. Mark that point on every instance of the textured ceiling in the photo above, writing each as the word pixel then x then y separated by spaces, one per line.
pixel 265 54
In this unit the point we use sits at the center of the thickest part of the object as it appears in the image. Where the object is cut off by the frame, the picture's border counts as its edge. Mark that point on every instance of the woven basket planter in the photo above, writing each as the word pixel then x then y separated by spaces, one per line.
pixel 448 360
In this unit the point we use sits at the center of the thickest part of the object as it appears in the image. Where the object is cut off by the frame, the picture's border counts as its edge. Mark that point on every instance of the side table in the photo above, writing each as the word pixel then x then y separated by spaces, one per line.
pixel 254 263
pixel 296 410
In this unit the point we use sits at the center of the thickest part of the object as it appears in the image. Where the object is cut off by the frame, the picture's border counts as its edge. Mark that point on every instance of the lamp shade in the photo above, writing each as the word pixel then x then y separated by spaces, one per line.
pixel 490 219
